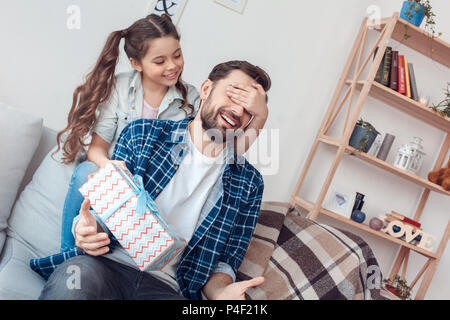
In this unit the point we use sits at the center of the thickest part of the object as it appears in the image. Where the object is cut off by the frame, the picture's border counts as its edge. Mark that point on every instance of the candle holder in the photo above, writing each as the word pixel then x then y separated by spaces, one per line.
pixel 410 156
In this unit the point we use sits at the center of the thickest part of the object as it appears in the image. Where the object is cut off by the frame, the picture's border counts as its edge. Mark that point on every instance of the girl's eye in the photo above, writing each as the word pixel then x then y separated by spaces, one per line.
pixel 178 56
pixel 159 62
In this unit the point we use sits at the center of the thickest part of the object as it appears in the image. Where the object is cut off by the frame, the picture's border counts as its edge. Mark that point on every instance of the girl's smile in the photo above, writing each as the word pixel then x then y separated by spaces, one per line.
pixel 163 62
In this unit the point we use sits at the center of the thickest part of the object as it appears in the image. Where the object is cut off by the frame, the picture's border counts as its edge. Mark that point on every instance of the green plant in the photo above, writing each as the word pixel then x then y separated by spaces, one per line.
pixel 443 108
pixel 400 286
pixel 430 24
pixel 369 128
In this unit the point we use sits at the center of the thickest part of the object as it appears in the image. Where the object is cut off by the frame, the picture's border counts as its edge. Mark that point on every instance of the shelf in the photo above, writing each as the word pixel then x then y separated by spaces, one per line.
pixel 421 41
pixel 405 104
pixel 438 51
pixel 399 172
pixel 309 206
pixel 388 167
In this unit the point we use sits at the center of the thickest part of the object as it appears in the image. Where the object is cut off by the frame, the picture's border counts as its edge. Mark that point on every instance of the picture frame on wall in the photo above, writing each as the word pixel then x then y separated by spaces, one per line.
pixel 174 8
pixel 340 202
pixel 236 5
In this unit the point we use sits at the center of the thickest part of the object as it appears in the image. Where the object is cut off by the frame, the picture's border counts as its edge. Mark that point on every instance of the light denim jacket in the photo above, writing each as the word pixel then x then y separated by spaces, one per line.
pixel 126 102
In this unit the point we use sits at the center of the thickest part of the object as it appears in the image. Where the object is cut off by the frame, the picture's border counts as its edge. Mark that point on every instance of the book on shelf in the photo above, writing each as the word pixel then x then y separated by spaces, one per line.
pixel 414 92
pixel 401 74
pixel 394 71
pixel 408 87
pixel 384 70
pixel 387 61
pixel 380 67
pixel 407 220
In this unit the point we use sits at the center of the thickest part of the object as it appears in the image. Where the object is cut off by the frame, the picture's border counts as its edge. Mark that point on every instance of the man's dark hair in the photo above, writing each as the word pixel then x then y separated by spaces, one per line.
pixel 222 70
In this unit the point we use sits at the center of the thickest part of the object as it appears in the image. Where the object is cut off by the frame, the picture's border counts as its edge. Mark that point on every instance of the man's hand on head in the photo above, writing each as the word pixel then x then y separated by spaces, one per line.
pixel 252 98
pixel 87 236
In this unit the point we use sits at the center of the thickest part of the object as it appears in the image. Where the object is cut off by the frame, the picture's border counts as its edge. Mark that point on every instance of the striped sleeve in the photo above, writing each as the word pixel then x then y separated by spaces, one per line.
pixel 244 226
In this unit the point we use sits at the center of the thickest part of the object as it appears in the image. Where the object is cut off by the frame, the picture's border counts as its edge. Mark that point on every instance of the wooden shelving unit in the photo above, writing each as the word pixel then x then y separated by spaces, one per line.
pixel 436 49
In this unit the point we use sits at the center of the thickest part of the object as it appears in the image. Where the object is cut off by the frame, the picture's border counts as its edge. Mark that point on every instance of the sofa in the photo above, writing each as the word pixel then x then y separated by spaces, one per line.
pixel 300 259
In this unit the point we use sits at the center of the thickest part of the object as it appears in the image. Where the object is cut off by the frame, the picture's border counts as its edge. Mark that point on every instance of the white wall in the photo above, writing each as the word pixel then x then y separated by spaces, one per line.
pixel 302 45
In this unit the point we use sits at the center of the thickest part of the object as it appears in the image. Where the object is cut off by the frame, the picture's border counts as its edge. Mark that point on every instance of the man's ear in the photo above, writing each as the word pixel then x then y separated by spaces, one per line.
pixel 136 65
pixel 205 89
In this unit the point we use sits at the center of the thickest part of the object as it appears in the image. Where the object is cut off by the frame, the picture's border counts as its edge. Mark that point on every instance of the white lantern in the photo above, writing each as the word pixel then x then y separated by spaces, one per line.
pixel 410 156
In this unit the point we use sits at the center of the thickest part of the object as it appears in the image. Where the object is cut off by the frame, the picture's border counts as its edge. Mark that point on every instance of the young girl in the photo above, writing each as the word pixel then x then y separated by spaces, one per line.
pixel 106 103
pixel 154 90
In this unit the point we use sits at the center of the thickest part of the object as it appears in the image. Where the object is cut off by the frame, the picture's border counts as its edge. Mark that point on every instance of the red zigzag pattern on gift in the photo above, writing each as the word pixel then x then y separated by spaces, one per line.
pixel 104 193
pixel 109 175
pixel 121 193
pixel 123 235
pixel 100 195
pixel 140 235
pixel 132 211
pixel 154 253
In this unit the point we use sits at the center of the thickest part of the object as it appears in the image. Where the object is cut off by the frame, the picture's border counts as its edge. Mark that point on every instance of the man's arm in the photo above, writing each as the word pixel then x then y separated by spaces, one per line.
pixel 216 284
pixel 220 285
pixel 125 148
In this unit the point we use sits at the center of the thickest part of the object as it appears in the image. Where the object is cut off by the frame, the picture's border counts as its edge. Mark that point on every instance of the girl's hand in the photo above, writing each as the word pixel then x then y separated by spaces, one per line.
pixel 251 98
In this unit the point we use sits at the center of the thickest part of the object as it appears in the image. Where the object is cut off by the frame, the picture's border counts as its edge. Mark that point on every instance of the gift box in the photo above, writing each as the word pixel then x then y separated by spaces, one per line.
pixel 125 207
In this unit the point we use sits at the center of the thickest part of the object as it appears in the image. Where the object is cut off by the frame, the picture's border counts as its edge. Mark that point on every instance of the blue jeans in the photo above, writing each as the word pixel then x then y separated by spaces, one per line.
pixel 98 278
pixel 73 202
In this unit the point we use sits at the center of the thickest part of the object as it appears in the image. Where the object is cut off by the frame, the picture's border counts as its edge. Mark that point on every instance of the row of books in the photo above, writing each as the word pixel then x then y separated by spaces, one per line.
pixel 397 73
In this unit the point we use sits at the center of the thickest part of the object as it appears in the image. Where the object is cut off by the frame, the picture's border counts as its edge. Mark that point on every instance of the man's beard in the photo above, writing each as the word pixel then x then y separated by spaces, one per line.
pixel 209 122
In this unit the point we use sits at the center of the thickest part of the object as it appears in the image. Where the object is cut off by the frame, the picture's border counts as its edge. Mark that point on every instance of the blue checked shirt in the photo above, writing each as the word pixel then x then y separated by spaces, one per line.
pixel 154 149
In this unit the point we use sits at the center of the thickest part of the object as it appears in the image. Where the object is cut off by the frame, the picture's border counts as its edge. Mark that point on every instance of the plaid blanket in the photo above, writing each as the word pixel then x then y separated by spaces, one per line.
pixel 301 259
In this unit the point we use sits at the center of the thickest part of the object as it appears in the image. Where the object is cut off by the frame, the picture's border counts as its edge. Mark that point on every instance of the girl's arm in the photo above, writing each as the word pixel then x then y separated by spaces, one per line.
pixel 98 151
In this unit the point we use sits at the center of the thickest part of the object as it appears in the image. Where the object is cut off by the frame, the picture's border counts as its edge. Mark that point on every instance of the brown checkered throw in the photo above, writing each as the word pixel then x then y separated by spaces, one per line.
pixel 301 259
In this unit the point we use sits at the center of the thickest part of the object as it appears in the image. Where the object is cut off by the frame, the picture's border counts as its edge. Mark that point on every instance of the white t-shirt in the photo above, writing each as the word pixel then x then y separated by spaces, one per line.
pixel 181 202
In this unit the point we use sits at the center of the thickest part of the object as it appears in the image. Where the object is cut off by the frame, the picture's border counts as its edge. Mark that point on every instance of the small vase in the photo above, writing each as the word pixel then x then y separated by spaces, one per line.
pixel 417 11
pixel 358 216
pixel 358 135
pixel 376 224
pixel 385 147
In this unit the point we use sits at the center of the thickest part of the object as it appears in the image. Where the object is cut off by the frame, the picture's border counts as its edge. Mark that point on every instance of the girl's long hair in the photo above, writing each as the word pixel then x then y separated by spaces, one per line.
pixel 101 80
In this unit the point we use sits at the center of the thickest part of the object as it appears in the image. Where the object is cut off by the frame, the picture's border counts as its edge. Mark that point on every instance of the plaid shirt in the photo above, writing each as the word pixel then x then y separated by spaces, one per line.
pixel 154 149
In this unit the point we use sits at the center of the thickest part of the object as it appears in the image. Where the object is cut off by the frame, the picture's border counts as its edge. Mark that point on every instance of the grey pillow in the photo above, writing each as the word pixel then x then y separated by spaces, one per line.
pixel 19 137
pixel 36 217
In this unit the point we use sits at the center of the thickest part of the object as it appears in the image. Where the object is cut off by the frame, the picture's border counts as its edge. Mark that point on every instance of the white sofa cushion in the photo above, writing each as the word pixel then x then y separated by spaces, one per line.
pixel 36 217
pixel 19 137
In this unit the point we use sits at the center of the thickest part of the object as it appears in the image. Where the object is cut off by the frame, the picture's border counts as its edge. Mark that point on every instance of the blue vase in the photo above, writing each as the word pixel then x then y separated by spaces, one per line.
pixel 358 216
pixel 417 11
pixel 359 133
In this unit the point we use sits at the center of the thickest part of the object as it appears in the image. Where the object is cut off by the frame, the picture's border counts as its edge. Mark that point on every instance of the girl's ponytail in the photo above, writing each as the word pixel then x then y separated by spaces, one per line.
pixel 87 97
pixel 182 88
